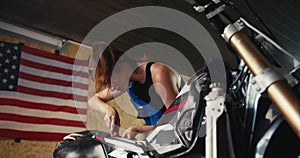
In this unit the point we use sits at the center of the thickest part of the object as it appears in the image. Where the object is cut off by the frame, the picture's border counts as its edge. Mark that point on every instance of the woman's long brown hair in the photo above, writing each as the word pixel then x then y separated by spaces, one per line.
pixel 107 57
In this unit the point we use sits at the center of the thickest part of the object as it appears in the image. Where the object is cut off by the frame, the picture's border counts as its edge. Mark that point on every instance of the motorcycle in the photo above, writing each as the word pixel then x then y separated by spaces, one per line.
pixel 256 115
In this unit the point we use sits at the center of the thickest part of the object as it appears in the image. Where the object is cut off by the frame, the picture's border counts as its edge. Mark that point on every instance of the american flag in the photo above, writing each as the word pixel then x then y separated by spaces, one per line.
pixel 42 96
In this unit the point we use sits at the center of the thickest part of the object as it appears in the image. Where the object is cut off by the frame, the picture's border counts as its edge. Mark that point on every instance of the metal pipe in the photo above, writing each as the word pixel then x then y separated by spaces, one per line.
pixel 34 34
pixel 280 92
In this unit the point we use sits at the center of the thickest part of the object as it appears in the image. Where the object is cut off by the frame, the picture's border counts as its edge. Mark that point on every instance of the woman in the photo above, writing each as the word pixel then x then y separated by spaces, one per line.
pixel 152 87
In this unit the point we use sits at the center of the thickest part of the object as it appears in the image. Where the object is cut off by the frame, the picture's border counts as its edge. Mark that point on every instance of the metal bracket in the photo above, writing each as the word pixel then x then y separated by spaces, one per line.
pixel 215 107
pixel 263 80
pixel 215 102
pixel 231 29
pixel 215 12
pixel 266 138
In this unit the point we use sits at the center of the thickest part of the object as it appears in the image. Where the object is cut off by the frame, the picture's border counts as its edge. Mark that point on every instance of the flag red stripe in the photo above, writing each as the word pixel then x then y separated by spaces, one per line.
pixel 41 53
pixel 39 120
pixel 41 106
pixel 52 68
pixel 44 93
pixel 176 107
pixel 52 81
pixel 30 135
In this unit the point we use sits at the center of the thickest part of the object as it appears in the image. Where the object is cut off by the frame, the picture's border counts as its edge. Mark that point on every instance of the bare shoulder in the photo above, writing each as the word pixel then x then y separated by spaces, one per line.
pixel 161 71
pixel 167 82
pixel 158 68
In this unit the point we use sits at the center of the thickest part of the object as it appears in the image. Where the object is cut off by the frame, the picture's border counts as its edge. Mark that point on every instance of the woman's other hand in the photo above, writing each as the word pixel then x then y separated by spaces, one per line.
pixel 131 132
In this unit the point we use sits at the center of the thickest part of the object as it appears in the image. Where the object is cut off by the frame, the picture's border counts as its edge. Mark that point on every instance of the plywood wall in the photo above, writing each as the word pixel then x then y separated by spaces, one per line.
pixel 26 149
pixel 44 149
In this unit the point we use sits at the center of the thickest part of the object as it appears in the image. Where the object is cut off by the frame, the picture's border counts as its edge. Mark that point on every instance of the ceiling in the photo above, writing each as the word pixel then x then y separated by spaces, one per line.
pixel 74 20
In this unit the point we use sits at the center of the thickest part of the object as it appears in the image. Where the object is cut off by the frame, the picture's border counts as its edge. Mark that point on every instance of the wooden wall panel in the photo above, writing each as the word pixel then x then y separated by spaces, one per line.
pixel 26 149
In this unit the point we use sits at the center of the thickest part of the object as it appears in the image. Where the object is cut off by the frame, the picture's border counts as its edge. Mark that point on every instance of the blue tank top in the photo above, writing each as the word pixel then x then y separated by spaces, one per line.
pixel 148 104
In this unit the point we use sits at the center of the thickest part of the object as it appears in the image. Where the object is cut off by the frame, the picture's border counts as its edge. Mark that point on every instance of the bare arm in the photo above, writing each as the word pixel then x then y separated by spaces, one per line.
pixel 165 83
pixel 111 118
pixel 99 100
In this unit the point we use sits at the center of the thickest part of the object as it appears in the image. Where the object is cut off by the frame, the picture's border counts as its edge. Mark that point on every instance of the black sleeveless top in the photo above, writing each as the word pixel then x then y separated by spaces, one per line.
pixel 146 90
pixel 147 102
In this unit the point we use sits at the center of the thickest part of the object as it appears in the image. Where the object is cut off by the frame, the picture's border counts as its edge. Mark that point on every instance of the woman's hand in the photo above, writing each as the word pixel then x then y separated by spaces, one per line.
pixel 111 117
pixel 112 120
pixel 130 133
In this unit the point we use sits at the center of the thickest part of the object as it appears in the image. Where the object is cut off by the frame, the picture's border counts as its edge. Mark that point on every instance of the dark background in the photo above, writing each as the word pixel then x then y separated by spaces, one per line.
pixel 73 19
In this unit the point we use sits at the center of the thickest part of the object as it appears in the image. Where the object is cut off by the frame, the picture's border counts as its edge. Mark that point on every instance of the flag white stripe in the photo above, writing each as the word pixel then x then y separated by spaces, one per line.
pixel 42 113
pixel 52 75
pixel 56 63
pixel 43 100
pixel 38 127
pixel 53 88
